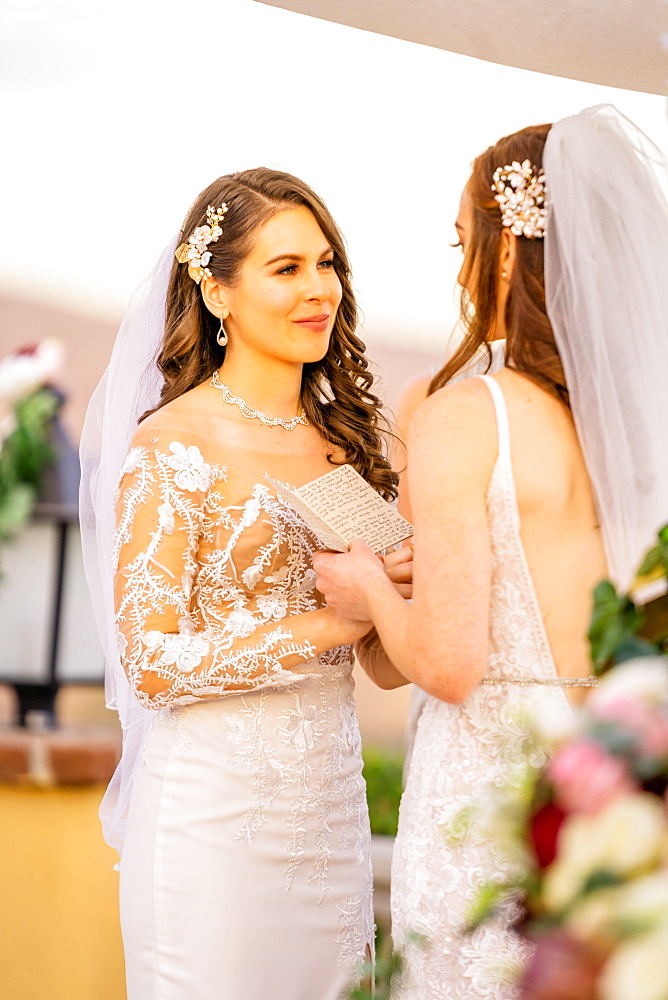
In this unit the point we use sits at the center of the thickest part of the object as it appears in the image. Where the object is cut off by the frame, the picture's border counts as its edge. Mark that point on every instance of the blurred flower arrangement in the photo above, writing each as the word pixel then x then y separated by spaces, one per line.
pixel 28 403
pixel 588 832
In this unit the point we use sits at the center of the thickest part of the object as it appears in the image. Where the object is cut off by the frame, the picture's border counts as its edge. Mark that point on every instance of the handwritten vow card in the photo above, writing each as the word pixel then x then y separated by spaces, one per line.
pixel 340 506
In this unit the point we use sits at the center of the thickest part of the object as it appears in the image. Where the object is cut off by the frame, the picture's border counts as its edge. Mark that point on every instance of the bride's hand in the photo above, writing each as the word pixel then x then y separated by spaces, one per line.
pixel 345 579
pixel 399 568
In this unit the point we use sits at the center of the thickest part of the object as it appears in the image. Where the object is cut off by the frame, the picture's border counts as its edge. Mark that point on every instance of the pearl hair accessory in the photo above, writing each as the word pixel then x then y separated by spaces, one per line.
pixel 521 194
pixel 195 252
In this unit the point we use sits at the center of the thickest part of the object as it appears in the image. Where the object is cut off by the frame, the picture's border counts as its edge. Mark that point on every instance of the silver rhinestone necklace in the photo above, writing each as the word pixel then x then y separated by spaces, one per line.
pixel 252 414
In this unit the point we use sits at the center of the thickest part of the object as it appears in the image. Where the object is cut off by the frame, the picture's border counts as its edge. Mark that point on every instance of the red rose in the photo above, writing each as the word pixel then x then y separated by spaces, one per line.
pixel 544 831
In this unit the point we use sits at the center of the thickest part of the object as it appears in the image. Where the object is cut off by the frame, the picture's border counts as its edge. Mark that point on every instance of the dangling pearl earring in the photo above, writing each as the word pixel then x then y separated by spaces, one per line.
pixel 222 334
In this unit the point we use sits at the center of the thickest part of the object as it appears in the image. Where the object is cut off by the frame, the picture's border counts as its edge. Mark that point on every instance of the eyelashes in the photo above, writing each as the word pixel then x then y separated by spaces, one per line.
pixel 326 265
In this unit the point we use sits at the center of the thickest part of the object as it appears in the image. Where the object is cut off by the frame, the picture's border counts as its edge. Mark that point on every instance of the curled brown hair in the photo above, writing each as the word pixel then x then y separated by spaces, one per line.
pixel 336 391
pixel 530 346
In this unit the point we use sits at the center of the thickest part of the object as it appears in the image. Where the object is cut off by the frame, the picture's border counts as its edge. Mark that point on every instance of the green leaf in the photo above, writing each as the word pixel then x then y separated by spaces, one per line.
pixel 615 619
pixel 651 561
pixel 458 830
pixel 487 901
pixel 23 457
pixel 632 646
pixel 15 509
pixel 601 879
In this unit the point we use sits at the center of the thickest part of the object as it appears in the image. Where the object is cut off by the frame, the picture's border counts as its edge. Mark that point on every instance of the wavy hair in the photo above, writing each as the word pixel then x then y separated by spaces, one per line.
pixel 336 392
pixel 530 346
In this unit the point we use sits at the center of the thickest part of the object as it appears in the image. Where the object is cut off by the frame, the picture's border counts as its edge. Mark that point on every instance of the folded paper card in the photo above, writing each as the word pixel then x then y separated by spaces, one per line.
pixel 341 506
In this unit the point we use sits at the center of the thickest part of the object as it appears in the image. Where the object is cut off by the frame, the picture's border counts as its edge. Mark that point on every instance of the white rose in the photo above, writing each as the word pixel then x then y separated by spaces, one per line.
pixel 645 677
pixel 49 357
pixel 643 900
pixel 551 728
pixel 626 837
pixel 19 376
pixel 638 968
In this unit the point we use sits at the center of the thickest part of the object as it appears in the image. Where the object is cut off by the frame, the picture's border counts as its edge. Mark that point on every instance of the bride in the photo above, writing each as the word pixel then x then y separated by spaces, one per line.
pixel 527 487
pixel 239 803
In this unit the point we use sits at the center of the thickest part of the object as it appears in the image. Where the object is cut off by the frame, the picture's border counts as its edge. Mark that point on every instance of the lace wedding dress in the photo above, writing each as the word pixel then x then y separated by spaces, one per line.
pixel 245 871
pixel 460 751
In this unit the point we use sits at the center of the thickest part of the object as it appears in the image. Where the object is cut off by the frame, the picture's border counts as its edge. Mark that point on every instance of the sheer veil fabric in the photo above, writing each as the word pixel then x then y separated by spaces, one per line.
pixel 130 385
pixel 606 279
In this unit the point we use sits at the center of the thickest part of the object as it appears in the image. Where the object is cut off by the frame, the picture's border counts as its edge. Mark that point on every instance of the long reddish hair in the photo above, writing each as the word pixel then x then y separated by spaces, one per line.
pixel 530 346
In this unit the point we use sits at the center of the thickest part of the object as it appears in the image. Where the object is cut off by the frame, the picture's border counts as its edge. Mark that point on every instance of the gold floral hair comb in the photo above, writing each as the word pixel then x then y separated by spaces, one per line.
pixel 195 252
pixel 521 194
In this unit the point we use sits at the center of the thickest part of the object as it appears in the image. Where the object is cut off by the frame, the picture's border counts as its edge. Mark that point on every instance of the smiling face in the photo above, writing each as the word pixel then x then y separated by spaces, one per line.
pixel 283 304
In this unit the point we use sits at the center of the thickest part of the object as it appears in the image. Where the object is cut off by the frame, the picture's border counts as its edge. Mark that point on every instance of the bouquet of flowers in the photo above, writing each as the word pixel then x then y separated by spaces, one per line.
pixel 589 831
pixel 28 403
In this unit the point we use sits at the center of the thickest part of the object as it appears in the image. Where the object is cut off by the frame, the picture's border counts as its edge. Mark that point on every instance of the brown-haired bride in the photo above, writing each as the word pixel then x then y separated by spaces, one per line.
pixel 245 867
pixel 527 487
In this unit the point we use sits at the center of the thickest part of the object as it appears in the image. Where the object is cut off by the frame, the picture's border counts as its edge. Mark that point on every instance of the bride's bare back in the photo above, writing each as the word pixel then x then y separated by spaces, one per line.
pixel 559 529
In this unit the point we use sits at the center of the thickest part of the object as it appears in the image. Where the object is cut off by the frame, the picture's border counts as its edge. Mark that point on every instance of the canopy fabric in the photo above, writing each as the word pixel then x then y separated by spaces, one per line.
pixel 618 43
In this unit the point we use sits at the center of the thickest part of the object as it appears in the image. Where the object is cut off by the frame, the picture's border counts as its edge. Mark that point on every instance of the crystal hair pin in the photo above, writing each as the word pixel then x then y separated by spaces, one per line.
pixel 195 253
pixel 521 194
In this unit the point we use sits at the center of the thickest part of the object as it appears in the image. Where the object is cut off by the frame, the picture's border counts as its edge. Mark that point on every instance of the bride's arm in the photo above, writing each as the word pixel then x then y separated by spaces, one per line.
pixel 376 663
pixel 440 641
pixel 398 565
pixel 161 506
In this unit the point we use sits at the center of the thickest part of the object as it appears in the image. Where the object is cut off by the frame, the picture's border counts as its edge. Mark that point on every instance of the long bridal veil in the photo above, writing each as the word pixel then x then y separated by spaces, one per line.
pixel 130 385
pixel 606 279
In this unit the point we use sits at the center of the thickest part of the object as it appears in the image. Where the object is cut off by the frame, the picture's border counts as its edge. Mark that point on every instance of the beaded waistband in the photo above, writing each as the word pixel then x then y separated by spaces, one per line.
pixel 583 682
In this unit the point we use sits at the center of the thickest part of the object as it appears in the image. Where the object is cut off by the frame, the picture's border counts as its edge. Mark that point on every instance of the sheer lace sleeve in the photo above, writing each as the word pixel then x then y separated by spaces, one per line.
pixel 187 626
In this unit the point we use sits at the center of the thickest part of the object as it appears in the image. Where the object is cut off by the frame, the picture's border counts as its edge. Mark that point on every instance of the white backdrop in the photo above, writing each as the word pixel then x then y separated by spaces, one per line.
pixel 116 114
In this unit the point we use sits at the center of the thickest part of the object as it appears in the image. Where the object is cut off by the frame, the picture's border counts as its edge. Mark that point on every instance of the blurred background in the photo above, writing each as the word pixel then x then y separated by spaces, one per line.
pixel 114 117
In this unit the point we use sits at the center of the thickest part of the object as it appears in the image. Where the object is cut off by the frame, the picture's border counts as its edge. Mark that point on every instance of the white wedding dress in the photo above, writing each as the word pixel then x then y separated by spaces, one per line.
pixel 245 873
pixel 460 751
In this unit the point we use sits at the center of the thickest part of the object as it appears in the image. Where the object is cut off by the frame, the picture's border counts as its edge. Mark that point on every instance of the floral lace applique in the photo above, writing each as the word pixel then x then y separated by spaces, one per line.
pixel 247 732
pixel 176 718
pixel 210 584
pixel 172 567
pixel 356 927
pixel 460 752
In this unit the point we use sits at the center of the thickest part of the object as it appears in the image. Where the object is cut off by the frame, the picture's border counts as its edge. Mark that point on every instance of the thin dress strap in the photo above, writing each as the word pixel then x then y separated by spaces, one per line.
pixel 501 416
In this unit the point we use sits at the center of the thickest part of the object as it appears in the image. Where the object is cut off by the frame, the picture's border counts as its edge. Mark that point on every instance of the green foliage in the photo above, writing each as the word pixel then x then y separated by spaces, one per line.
pixel 23 457
pixel 487 902
pixel 621 630
pixel 383 775
pixel 614 623
pixel 387 969
pixel 656 556
pixel 601 879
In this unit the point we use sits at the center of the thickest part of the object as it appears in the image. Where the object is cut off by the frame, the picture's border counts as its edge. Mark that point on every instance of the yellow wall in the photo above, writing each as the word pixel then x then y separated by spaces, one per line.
pixel 59 933
pixel 59 930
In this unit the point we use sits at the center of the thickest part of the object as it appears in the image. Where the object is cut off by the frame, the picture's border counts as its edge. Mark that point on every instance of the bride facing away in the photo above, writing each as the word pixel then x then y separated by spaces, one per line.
pixel 239 803
pixel 527 488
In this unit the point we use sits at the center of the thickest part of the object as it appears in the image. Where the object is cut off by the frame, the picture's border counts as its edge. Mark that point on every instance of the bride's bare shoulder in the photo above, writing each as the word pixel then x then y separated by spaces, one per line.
pixel 189 416
pixel 465 408
pixel 453 435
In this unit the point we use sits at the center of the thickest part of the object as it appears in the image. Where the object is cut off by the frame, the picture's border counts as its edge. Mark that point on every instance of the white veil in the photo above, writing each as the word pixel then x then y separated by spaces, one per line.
pixel 130 385
pixel 606 281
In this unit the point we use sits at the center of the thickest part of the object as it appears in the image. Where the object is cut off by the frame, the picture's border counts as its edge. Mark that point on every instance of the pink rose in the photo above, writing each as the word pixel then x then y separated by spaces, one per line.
pixel 645 721
pixel 586 777
pixel 562 968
